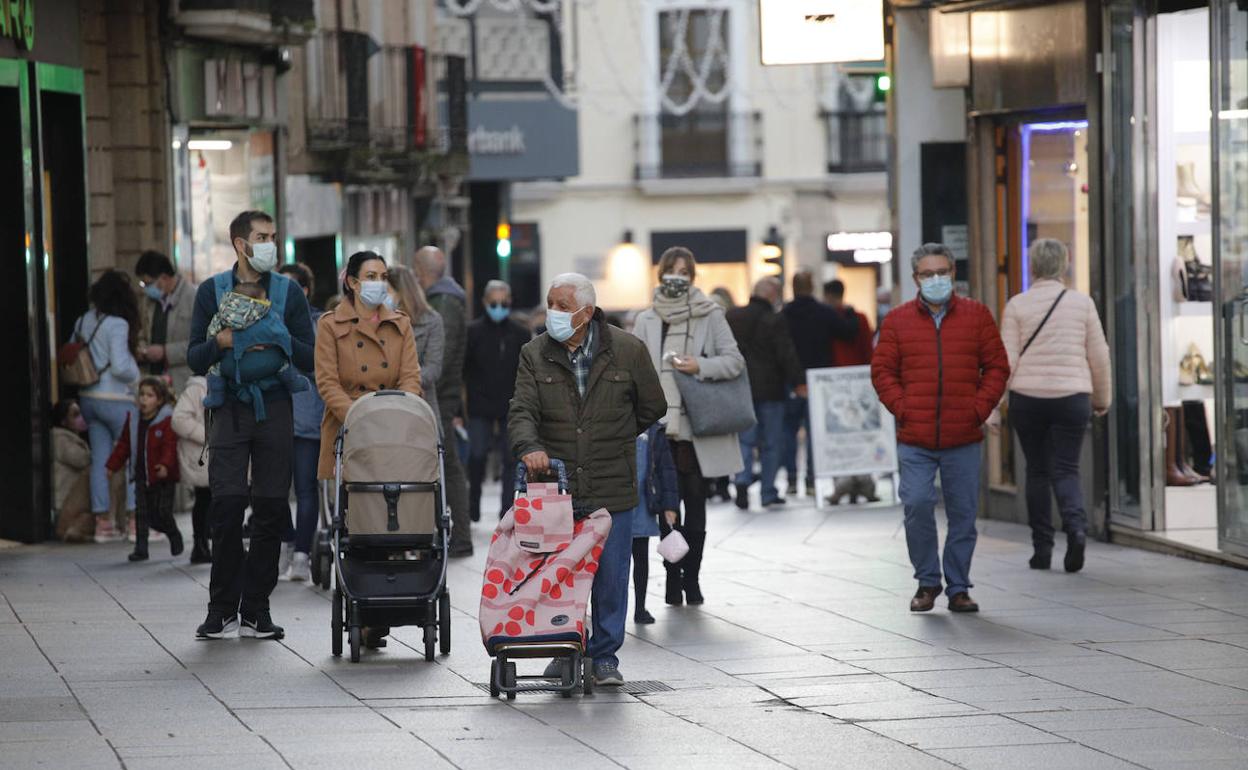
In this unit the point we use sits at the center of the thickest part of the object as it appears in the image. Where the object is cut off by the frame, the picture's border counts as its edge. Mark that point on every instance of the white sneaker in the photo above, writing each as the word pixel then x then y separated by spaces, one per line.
pixel 300 569
pixel 283 561
pixel 105 531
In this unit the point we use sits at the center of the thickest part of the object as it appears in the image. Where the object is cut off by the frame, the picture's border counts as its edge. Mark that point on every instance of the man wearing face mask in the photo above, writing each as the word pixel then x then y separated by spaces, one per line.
pixel 940 367
pixel 584 391
pixel 238 441
pixel 490 363
pixel 169 306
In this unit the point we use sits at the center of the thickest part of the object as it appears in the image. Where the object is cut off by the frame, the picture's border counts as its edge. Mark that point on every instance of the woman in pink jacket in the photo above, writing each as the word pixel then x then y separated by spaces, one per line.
pixel 1061 377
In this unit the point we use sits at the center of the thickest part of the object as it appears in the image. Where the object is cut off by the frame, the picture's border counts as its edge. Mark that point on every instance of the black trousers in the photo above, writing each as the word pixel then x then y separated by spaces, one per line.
pixel 199 513
pixel 242 580
pixel 1051 432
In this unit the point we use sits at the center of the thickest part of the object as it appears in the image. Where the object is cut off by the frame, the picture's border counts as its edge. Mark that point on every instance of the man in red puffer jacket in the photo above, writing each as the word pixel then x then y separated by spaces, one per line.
pixel 940 367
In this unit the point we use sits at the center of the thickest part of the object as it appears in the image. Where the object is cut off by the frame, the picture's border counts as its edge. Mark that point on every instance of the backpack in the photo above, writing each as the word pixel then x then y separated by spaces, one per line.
pixel 74 361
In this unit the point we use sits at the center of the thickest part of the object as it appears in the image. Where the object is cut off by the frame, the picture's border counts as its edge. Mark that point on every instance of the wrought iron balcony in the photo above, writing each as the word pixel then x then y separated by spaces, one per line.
pixel 698 145
pixel 857 141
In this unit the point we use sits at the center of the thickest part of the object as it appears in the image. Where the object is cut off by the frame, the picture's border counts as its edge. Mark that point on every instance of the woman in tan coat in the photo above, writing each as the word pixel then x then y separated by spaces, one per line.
pixel 1060 377
pixel 361 347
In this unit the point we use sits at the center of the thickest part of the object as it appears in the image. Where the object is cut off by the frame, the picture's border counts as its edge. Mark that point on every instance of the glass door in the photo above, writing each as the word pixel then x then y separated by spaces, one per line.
pixel 1129 249
pixel 1230 236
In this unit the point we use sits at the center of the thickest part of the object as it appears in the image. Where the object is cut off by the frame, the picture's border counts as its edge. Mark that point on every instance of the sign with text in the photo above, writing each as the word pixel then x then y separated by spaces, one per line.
pixel 853 434
pixel 821 31
pixel 515 139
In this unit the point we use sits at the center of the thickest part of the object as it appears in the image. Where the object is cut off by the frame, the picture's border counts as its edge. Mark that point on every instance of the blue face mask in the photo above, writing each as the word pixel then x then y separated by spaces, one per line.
pixel 373 293
pixel 153 291
pixel 497 313
pixel 937 289
pixel 559 324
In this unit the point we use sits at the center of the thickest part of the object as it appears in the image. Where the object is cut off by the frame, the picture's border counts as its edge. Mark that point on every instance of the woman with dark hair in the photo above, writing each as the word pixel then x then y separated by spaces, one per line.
pixel 406 295
pixel 111 330
pixel 361 347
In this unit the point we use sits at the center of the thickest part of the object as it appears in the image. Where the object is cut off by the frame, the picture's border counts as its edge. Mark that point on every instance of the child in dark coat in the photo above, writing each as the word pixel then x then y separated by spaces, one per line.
pixel 149 447
pixel 658 496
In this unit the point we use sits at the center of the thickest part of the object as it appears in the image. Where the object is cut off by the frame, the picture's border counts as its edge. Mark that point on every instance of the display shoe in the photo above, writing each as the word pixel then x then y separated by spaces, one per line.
pixel 1200 446
pixel 1175 477
pixel 1195 367
pixel 1187 249
pixel 1188 187
pixel 1180 448
pixel 1187 370
pixel 1241 455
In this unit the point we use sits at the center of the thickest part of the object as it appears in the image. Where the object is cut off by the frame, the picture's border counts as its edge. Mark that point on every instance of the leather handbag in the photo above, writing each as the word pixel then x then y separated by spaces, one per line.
pixel 74 362
pixel 716 407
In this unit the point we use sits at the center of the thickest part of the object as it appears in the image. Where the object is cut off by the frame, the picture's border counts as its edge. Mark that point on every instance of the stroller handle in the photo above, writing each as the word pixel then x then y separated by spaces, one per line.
pixel 522 476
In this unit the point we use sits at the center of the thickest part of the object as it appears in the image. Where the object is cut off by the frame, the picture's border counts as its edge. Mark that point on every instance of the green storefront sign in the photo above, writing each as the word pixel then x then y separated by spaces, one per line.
pixel 17 20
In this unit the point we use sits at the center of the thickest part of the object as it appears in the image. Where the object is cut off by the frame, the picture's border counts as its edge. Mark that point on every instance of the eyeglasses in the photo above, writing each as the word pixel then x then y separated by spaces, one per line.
pixel 926 274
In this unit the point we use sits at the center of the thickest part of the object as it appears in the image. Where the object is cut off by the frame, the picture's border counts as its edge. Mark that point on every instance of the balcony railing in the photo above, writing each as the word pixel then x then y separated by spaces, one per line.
pixel 698 145
pixel 247 21
pixel 857 142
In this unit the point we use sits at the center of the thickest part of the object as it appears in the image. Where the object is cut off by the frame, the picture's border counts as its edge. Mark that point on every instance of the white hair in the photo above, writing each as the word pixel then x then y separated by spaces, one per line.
pixel 931 250
pixel 496 285
pixel 583 287
pixel 1048 259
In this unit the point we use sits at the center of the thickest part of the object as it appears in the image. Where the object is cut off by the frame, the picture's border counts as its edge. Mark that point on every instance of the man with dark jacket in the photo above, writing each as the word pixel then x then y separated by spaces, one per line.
pixel 448 298
pixel 584 391
pixel 250 461
pixel 490 363
pixel 774 368
pixel 814 326
pixel 941 368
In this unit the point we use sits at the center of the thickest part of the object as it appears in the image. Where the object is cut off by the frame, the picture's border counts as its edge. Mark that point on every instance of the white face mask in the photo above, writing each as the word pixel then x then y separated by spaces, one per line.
pixel 263 257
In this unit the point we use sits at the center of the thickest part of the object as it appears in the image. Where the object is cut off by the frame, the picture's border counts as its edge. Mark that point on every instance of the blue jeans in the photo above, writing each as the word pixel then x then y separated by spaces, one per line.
pixel 768 436
pixel 106 418
pixel 959 480
pixel 796 417
pixel 609 596
pixel 307 493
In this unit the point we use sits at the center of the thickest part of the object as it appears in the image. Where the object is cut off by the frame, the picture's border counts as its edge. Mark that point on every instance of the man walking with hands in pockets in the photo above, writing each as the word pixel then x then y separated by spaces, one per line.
pixel 940 368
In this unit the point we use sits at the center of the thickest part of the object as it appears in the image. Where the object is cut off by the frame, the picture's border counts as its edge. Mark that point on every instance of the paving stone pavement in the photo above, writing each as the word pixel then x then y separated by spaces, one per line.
pixel 804 656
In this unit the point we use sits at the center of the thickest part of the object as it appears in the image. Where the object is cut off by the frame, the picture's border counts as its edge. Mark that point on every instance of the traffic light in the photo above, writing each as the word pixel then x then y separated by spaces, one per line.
pixel 883 84
pixel 503 248
pixel 772 251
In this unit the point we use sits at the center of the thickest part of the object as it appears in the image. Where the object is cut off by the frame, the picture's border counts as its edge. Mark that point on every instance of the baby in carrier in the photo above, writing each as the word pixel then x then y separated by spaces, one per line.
pixel 260 358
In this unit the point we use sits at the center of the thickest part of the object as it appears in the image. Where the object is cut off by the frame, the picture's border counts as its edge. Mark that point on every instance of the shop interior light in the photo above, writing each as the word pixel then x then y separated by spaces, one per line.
pixel 209 144
pixel 770 251
pixel 1026 130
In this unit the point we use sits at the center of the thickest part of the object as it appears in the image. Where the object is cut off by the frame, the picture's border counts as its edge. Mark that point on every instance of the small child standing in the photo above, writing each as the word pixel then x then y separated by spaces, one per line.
pixel 260 359
pixel 150 448
pixel 658 495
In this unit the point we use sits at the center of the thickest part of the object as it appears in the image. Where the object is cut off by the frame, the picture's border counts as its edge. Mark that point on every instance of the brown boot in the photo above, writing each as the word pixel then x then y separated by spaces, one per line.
pixel 1182 447
pixel 1175 477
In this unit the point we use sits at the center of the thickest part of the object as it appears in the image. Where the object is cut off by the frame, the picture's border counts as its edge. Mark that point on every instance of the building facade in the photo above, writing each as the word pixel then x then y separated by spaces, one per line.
pixel 1117 127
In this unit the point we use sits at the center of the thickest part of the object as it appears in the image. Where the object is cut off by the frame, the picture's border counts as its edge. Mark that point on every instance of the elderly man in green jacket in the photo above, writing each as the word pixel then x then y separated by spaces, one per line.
pixel 584 391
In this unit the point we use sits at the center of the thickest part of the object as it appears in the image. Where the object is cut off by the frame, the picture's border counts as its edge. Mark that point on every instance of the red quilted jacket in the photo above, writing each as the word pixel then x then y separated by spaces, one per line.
pixel 941 384
pixel 162 447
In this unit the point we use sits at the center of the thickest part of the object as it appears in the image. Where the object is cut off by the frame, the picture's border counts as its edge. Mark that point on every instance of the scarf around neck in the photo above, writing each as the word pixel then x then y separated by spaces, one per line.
pixel 694 304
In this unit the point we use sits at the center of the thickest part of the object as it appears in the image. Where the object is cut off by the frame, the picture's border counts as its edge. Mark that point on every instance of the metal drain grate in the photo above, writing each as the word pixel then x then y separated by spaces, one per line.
pixel 640 687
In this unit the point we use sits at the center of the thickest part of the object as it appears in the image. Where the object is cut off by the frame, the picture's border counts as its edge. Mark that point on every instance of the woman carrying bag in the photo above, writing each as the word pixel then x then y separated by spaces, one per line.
pixel 689 339
pixel 1059 378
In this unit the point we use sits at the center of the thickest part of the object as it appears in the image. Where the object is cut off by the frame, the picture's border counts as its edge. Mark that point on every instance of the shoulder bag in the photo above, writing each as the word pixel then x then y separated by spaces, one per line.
pixel 717 407
pixel 74 362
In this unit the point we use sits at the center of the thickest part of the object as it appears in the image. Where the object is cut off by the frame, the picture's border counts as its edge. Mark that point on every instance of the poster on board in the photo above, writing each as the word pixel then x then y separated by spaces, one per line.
pixel 853 434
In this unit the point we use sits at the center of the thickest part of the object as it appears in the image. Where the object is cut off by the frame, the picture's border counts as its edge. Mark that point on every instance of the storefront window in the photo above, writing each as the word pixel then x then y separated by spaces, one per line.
pixel 1230 229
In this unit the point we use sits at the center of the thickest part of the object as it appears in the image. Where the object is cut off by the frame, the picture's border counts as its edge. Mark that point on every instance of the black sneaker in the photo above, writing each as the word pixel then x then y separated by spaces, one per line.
pixel 260 627
pixel 743 496
pixel 217 626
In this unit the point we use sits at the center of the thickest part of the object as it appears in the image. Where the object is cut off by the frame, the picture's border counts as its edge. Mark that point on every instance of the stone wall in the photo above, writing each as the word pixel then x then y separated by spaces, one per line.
pixel 127 131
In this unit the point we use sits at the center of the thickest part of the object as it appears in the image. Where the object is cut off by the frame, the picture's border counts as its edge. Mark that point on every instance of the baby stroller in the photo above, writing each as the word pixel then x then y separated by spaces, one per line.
pixel 390 527
pixel 538 577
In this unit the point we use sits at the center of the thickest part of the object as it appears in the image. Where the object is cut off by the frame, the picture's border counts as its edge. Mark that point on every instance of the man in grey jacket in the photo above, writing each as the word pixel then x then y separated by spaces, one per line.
pixel 167 318
pixel 448 298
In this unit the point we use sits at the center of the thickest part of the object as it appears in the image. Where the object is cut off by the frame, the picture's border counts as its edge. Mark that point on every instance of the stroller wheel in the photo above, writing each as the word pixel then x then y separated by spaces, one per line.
pixel 355 644
pixel 494 691
pixel 335 624
pixel 444 623
pixel 431 638
pixel 326 561
pixel 587 676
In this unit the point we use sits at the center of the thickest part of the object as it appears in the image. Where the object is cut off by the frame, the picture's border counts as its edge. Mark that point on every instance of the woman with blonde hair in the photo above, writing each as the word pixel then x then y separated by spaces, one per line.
pixel 1060 377
pixel 407 296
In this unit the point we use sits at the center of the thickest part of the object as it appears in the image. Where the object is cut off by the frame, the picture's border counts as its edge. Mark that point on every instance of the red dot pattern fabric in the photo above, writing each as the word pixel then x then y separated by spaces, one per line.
pixel 526 593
